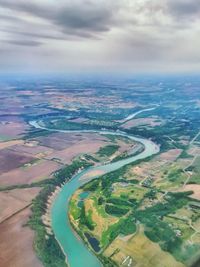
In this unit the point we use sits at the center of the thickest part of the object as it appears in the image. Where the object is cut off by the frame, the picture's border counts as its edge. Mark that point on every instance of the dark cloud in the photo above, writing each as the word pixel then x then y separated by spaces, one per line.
pixel 24 42
pixel 189 9
pixel 87 19
pixel 31 7
pixel 37 35
pixel 82 18
pixel 10 18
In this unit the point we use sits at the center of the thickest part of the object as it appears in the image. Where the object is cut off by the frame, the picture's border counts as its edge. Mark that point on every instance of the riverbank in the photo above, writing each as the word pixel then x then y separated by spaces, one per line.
pixel 46 218
pixel 46 244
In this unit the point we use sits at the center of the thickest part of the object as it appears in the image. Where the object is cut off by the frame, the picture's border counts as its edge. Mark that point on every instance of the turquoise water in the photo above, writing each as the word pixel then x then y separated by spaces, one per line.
pixel 84 195
pixel 77 253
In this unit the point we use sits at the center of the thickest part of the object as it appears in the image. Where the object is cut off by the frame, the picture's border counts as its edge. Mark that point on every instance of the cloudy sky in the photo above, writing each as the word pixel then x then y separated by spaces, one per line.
pixel 100 35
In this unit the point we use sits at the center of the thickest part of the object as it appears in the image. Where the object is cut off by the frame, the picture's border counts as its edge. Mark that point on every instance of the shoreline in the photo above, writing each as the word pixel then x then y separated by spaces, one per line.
pixel 46 218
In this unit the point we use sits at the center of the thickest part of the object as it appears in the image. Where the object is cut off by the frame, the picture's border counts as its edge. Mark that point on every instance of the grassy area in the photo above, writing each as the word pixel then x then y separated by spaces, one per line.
pixel 108 150
pixel 195 179
pixel 74 211
pixel 196 165
pixel 102 123
pixel 64 124
pixel 141 251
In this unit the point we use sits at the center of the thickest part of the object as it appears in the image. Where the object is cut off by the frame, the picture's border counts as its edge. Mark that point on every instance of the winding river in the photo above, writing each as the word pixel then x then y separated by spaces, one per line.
pixel 131 116
pixel 78 255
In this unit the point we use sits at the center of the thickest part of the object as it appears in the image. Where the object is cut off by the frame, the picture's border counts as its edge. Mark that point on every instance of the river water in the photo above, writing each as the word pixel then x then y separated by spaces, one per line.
pixel 77 253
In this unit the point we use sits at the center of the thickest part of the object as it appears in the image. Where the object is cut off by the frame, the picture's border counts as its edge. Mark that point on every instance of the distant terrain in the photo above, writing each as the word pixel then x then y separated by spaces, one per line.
pixel 146 213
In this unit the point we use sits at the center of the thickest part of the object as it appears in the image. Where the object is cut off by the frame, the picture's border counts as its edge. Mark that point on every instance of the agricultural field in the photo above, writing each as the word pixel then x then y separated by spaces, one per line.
pixel 137 250
pixel 151 122
pixel 12 130
pixel 15 200
pixel 38 158
pixel 14 215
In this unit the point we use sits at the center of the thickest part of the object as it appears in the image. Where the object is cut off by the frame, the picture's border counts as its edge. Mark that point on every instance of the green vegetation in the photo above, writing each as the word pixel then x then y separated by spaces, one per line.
pixel 91 186
pixel 125 155
pixel 33 133
pixel 46 246
pixel 89 157
pixel 196 165
pixel 85 219
pixel 124 226
pixel 119 201
pixel 115 210
pixel 128 226
pixel 159 231
pixel 102 123
pixel 173 174
pixel 74 211
pixel 111 233
pixel 65 124
pixel 107 150
pixel 195 179
pixel 184 155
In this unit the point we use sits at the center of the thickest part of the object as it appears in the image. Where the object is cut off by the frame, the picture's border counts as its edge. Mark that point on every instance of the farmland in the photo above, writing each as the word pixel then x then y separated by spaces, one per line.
pixel 144 214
